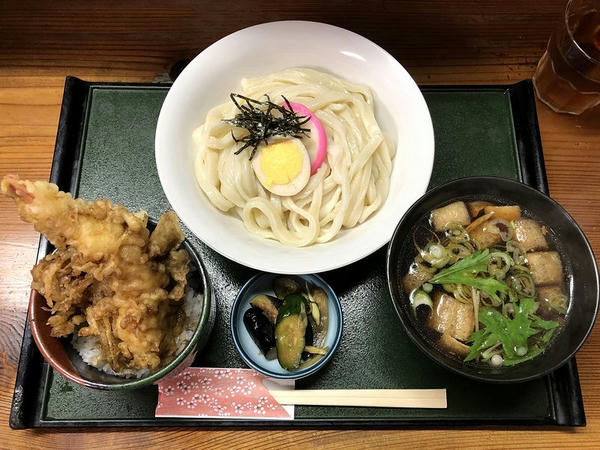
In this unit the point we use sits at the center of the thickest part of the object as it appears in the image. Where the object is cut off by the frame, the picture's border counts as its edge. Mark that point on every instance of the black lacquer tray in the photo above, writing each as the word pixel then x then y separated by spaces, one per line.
pixel 105 148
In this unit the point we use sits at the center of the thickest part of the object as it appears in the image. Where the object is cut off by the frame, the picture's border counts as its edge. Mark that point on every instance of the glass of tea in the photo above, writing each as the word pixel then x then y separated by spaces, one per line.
pixel 567 77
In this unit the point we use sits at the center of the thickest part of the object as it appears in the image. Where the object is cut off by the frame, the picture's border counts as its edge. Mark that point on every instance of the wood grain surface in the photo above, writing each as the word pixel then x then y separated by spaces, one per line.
pixel 439 42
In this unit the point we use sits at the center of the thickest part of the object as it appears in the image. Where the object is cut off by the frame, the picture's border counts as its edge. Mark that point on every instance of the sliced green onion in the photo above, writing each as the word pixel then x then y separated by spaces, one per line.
pixel 457 234
pixel 497 361
pixel 488 300
pixel 490 352
pixel 522 283
pixel 427 287
pixel 499 265
pixel 420 297
pixel 558 303
pixel 515 251
pixel 521 351
pixel 460 250
pixel 436 255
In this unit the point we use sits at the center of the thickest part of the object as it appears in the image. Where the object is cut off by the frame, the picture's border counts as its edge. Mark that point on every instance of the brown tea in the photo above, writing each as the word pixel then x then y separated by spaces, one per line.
pixel 568 75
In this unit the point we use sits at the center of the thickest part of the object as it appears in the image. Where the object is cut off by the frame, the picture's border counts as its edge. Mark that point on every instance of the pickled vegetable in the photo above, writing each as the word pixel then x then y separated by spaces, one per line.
pixel 290 330
pixel 284 286
pixel 260 329
pixel 269 306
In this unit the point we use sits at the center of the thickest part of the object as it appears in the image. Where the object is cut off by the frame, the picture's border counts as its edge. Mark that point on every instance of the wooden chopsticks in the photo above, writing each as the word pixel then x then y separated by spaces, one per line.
pixel 383 398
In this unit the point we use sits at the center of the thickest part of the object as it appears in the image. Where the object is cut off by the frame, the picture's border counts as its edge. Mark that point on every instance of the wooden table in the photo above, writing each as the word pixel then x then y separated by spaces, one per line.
pixel 439 42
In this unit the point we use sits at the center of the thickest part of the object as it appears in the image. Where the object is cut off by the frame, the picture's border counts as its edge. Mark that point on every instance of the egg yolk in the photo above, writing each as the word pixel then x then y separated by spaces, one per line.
pixel 281 162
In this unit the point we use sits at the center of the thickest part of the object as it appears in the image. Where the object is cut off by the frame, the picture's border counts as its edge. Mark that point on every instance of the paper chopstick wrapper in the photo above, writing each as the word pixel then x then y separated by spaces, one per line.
pixel 246 394
pixel 210 393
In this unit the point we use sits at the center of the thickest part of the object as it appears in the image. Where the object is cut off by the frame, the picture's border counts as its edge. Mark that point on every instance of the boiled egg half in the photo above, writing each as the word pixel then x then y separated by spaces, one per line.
pixel 282 167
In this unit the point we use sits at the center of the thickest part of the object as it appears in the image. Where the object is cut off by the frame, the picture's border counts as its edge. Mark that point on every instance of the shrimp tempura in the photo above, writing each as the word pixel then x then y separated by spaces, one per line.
pixel 109 278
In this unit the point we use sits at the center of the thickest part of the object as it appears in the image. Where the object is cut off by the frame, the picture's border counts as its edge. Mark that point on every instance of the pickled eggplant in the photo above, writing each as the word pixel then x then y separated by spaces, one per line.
pixel 290 330
pixel 269 306
pixel 284 286
pixel 260 329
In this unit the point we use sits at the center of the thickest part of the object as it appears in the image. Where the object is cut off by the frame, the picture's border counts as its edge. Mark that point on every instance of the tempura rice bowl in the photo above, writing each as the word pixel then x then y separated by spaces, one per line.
pixel 77 358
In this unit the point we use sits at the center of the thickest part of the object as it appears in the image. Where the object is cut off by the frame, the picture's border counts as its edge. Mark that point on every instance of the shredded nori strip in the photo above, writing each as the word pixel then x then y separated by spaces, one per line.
pixel 263 120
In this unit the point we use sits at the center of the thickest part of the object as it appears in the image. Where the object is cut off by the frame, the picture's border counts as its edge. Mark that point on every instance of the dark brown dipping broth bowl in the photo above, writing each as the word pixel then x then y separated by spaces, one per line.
pixel 63 358
pixel 580 274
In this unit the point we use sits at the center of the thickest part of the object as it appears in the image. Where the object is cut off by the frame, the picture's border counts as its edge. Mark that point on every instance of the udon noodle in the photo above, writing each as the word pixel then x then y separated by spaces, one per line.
pixel 350 186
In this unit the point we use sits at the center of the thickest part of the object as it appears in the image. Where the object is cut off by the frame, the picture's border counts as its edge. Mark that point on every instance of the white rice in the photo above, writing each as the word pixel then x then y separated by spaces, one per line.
pixel 89 346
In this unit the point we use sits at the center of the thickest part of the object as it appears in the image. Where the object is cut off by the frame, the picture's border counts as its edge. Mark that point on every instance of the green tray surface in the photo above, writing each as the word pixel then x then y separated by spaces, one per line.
pixel 474 136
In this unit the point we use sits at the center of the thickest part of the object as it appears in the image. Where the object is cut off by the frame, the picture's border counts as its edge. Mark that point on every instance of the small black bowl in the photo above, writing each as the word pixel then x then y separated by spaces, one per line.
pixel 577 255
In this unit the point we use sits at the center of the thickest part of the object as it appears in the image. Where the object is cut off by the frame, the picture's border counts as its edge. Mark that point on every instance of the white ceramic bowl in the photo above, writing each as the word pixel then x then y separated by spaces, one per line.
pixel 262 49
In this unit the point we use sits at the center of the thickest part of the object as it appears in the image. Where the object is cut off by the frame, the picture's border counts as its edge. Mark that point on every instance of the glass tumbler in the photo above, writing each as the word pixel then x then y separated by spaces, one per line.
pixel 567 78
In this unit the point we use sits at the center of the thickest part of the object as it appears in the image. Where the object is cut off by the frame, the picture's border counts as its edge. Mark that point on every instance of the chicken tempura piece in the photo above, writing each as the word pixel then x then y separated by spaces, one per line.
pixel 109 276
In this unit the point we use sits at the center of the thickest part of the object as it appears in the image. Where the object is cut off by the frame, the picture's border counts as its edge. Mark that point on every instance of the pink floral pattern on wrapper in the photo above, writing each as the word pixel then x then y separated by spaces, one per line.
pixel 209 392
pixel 181 367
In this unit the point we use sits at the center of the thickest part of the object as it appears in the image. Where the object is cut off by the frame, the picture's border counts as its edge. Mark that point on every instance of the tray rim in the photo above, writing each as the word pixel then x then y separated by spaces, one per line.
pixel 33 373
